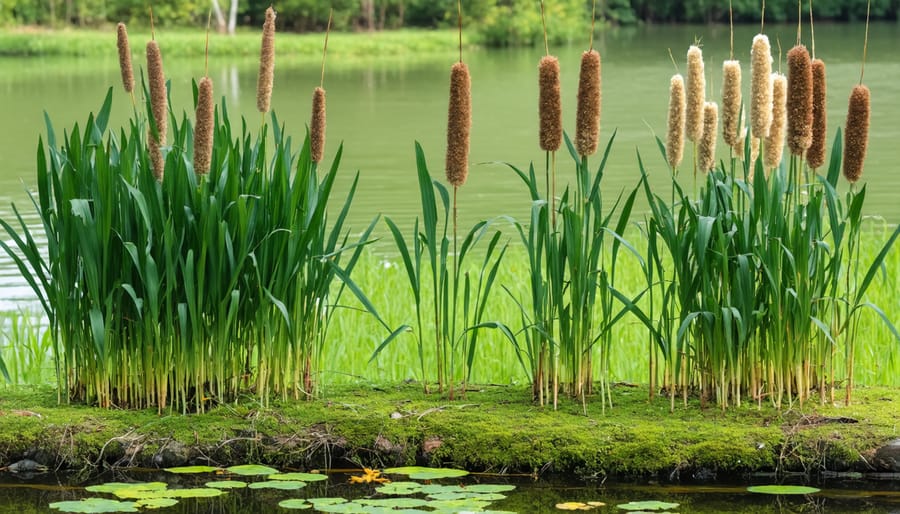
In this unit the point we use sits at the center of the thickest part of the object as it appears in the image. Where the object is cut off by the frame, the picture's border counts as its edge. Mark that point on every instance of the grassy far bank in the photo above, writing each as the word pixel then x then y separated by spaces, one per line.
pixel 496 429
pixel 29 42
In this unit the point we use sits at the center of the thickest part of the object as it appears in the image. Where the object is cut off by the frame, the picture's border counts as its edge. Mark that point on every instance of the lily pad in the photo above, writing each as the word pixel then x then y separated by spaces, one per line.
pixel 490 488
pixel 462 495
pixel 226 484
pixel 782 489
pixel 394 503
pixel 303 477
pixel 574 506
pixel 326 501
pixel 157 503
pixel 112 487
pixel 647 505
pixel 251 470
pixel 144 494
pixel 400 488
pixel 284 485
pixel 294 504
pixel 192 469
pixel 94 505
pixel 423 473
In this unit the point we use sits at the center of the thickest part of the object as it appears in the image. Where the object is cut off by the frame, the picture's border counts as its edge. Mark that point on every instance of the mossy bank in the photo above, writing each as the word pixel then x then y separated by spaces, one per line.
pixel 495 429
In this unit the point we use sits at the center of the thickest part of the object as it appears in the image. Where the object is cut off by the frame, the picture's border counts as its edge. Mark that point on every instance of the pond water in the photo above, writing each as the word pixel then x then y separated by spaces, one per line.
pixel 25 496
pixel 378 108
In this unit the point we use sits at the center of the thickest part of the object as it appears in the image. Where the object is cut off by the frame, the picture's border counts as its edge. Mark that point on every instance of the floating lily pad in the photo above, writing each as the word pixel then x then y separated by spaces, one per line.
pixel 284 485
pixel 491 488
pixel 465 504
pixel 462 495
pixel 326 501
pixel 251 470
pixel 157 503
pixel 574 506
pixel 93 505
pixel 647 505
pixel 192 469
pixel 782 489
pixel 144 494
pixel 400 488
pixel 294 504
pixel 303 477
pixel 393 503
pixel 226 484
pixel 112 487
pixel 423 473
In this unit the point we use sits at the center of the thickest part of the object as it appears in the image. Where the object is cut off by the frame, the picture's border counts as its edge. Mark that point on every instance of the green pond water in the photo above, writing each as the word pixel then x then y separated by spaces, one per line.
pixel 32 495
pixel 379 107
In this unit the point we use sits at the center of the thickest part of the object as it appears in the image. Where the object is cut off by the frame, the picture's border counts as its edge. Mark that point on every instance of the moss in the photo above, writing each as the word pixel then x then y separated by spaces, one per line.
pixel 497 429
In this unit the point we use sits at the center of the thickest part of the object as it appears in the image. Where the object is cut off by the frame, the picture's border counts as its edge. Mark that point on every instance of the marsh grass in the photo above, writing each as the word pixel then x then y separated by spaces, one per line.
pixel 25 349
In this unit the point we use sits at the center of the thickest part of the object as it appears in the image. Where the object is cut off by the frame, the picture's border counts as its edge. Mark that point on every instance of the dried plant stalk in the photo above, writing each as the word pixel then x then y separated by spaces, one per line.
pixel 815 156
pixel 707 149
pixel 800 100
pixel 550 104
pixel 459 123
pixel 856 134
pixel 203 131
pixel 774 147
pixel 760 86
pixel 317 126
pixel 731 103
pixel 125 58
pixel 696 95
pixel 266 63
pixel 675 132
pixel 587 115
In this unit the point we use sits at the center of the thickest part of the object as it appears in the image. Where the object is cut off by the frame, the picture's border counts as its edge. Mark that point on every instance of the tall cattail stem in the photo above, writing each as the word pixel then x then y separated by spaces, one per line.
pixel 159 107
pixel 773 148
pixel 761 86
pixel 459 123
pixel 799 101
pixel 125 60
pixel 317 126
pixel 856 133
pixel 266 64
pixel 587 115
pixel 203 131
pixel 815 156
pixel 696 94
pixel 675 130
pixel 731 102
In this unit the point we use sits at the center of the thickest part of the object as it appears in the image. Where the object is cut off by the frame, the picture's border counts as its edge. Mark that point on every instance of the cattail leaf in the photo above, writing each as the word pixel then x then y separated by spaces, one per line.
pixel 411 271
pixel 876 265
pixel 102 119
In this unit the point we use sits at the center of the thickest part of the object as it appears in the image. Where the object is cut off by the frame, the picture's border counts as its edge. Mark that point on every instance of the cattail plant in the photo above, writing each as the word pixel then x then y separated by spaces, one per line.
pixel 696 91
pixel 587 115
pixel 799 100
pixel 125 59
pixel 774 146
pixel 731 102
pixel 266 63
pixel 159 107
pixel 706 156
pixel 675 132
pixel 550 104
pixel 317 123
pixel 459 122
pixel 856 133
pixel 760 86
pixel 815 156
pixel 203 131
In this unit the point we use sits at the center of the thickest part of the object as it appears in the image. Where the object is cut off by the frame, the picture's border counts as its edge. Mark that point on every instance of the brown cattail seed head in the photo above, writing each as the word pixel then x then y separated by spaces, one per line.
pixel 587 115
pixel 203 131
pixel 774 147
pixel 754 148
pixel 675 133
pixel 696 95
pixel 760 86
pixel 459 122
pixel 124 58
pixel 317 126
pixel 159 105
pixel 550 106
pixel 266 63
pixel 815 156
pixel 707 149
pixel 856 135
pixel 156 159
pixel 799 102
pixel 731 102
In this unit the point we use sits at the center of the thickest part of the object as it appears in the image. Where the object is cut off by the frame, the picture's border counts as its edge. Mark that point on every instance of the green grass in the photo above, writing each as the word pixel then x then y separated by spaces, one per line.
pixel 342 47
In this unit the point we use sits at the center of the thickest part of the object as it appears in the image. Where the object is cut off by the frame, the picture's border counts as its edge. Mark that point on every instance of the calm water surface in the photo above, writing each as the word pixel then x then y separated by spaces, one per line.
pixel 379 108
pixel 25 496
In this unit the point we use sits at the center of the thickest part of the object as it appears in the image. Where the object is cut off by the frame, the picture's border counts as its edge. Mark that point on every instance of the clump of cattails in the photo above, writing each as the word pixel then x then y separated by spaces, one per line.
pixel 696 91
pixel 706 153
pixel 800 100
pixel 550 104
pixel 266 63
pixel 856 134
pixel 815 156
pixel 203 131
pixel 774 146
pixel 675 132
pixel 459 123
pixel 125 58
pixel 760 86
pixel 159 106
pixel 317 126
pixel 587 115
pixel 731 103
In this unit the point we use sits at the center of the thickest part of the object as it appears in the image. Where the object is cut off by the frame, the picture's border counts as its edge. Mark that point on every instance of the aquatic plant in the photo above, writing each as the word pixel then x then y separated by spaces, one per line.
pixel 266 63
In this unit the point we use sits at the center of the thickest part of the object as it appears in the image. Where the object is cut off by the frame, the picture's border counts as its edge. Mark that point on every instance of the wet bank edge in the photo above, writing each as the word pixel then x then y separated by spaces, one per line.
pixel 494 429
